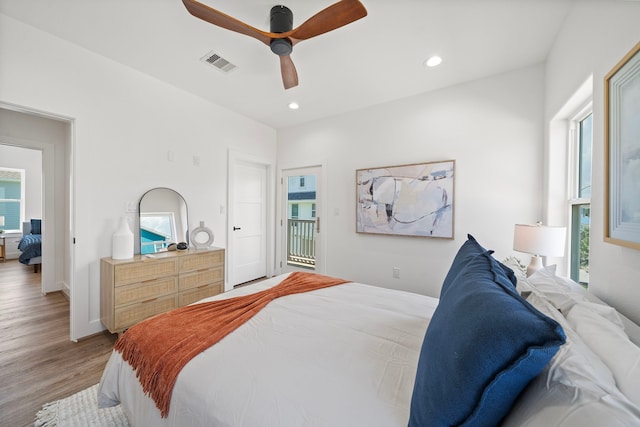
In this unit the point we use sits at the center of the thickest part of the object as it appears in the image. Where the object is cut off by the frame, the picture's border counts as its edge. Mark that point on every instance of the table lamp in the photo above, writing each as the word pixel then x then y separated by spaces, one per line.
pixel 538 240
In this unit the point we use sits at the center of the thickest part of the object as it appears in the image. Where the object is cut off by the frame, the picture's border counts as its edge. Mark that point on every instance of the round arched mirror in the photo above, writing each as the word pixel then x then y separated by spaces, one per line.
pixel 163 220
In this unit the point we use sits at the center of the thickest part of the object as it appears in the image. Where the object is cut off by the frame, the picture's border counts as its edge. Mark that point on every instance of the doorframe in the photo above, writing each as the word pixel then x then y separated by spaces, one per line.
pixel 51 153
pixel 321 199
pixel 235 158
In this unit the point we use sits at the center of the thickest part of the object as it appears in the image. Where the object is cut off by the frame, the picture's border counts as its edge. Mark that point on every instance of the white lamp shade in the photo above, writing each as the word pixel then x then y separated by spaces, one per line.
pixel 539 239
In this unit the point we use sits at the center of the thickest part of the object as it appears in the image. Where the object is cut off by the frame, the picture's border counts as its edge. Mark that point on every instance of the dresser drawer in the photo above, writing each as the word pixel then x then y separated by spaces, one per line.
pixel 135 289
pixel 197 294
pixel 139 292
pixel 202 277
pixel 201 260
pixel 131 314
pixel 143 271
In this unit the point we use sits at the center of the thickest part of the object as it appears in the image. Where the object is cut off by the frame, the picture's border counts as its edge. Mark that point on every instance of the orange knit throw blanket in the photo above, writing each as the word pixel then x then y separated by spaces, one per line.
pixel 159 347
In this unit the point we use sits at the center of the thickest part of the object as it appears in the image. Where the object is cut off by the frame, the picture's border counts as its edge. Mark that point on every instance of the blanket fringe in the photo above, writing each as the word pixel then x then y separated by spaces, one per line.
pixel 47 416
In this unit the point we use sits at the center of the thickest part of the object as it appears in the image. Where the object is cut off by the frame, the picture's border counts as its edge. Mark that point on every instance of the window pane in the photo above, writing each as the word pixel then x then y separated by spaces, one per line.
pixel 584 159
pixel 10 193
pixel 580 243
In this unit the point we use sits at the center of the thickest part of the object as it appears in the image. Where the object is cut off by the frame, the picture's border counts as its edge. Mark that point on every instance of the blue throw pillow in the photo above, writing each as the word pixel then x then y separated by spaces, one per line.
pixel 467 251
pixel 36 225
pixel 484 344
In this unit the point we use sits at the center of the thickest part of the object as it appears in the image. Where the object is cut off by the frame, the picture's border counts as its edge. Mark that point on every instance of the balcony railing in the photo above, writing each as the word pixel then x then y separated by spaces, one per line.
pixel 301 242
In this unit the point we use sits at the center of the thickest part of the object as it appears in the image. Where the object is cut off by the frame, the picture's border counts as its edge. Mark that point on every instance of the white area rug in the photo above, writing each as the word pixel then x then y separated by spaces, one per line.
pixel 81 410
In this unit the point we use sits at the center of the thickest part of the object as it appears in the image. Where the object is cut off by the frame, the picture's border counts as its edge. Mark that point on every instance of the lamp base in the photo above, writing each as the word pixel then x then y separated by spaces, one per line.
pixel 534 265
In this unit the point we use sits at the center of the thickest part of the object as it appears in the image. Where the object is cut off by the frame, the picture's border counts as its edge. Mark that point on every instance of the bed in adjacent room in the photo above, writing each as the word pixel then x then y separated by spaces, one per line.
pixel 30 244
pixel 351 354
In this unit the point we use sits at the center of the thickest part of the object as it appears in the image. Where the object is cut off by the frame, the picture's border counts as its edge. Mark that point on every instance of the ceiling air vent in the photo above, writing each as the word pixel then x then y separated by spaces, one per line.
pixel 218 62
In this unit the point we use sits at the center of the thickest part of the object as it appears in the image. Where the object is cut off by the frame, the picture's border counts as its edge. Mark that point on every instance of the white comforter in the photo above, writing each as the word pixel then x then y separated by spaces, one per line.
pixel 340 356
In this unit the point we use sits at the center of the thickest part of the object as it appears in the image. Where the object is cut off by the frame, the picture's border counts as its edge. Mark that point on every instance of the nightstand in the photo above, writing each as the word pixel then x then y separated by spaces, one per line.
pixel 3 249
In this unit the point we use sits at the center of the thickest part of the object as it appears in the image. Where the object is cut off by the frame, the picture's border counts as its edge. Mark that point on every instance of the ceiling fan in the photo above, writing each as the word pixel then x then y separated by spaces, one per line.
pixel 282 36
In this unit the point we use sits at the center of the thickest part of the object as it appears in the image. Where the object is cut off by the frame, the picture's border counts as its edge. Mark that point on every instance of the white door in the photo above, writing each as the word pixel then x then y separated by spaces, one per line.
pixel 248 223
pixel 301 225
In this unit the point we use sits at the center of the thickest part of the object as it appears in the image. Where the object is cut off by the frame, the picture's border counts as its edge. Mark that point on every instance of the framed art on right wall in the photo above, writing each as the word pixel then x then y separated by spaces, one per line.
pixel 622 151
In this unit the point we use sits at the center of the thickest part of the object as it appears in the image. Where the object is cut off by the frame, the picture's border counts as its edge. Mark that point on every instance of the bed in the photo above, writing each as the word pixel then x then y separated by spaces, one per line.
pixel 31 244
pixel 359 355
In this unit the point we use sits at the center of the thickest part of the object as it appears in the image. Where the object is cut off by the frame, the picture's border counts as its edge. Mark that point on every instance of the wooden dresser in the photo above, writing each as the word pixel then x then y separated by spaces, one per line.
pixel 133 289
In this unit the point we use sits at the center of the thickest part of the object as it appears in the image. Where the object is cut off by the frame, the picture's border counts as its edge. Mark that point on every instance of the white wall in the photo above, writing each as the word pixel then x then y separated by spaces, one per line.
pixel 594 38
pixel 491 127
pixel 125 123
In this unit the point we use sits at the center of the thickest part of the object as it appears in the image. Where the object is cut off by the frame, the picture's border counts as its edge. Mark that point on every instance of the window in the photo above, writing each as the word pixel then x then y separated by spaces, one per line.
pixel 580 195
pixel 294 211
pixel 302 182
pixel 11 198
pixel 313 210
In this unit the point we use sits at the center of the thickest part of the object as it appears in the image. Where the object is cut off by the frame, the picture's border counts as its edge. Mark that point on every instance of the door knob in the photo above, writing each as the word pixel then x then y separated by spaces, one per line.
pixel 235 228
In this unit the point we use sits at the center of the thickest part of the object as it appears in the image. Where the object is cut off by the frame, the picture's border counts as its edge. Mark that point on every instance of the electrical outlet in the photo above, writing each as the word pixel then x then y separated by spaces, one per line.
pixel 396 272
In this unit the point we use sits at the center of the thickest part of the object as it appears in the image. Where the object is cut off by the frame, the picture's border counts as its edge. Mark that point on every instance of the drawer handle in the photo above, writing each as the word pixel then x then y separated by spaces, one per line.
pixel 203 286
pixel 149 300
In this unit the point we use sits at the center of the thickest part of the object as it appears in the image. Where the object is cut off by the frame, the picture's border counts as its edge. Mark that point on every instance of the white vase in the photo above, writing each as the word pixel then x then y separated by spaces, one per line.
pixel 196 239
pixel 122 241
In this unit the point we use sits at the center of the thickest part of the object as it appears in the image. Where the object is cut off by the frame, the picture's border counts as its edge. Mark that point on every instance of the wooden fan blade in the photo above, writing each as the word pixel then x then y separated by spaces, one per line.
pixel 335 16
pixel 222 20
pixel 289 73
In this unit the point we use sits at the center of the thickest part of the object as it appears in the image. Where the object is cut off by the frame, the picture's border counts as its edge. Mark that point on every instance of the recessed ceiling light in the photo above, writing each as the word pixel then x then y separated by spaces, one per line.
pixel 294 105
pixel 433 61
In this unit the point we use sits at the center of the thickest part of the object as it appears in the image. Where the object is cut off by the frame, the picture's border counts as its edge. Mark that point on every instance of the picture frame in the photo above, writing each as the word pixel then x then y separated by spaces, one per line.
pixel 622 151
pixel 415 200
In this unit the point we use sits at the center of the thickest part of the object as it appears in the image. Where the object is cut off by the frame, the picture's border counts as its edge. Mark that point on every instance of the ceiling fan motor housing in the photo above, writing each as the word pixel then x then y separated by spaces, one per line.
pixel 281 22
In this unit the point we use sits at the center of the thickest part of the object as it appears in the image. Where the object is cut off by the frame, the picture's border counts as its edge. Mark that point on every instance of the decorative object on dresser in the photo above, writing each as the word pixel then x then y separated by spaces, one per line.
pixel 146 285
pixel 196 236
pixel 538 240
pixel 164 219
pixel 122 241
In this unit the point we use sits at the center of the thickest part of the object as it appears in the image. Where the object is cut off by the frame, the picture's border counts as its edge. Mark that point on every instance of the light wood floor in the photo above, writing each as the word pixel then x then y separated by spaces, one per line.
pixel 38 362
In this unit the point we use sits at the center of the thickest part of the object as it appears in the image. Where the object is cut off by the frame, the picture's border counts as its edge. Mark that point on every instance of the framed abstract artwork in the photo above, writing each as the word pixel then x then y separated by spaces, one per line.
pixel 408 200
pixel 622 151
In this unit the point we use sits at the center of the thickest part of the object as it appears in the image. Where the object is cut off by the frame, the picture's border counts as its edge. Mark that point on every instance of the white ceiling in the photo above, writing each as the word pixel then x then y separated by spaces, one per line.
pixel 371 61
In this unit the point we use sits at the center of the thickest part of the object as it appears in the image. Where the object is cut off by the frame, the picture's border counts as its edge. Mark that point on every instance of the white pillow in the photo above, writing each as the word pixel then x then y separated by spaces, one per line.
pixel 608 340
pixel 522 286
pixel 576 389
pixel 562 293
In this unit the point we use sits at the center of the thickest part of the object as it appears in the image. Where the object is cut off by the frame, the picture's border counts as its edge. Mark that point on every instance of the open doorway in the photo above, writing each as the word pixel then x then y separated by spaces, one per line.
pixel 26 129
pixel 301 228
